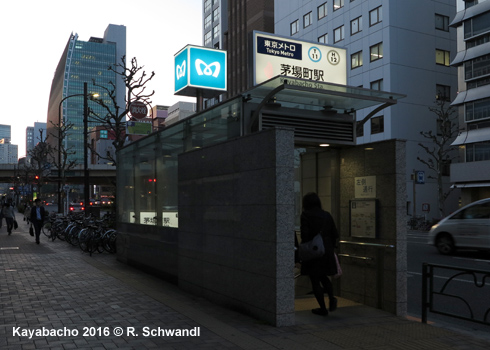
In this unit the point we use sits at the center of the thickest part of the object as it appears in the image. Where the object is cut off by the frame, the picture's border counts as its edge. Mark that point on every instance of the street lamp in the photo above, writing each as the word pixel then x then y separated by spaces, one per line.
pixel 85 126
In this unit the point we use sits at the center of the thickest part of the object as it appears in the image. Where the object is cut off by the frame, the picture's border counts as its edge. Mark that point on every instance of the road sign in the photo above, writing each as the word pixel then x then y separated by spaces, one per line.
pixel 138 109
pixel 420 177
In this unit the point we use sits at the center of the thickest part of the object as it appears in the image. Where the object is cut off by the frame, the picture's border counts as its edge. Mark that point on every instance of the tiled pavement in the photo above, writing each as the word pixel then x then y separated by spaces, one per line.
pixel 56 289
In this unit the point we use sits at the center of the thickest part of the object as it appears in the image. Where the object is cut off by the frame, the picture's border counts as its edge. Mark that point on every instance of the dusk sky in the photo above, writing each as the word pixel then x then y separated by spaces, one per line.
pixel 34 34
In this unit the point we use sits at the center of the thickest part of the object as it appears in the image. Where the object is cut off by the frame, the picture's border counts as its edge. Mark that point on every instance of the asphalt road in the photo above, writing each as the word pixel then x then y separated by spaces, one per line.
pixel 466 295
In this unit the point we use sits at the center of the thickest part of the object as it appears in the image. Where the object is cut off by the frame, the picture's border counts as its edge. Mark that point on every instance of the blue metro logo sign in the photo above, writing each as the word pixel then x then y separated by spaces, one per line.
pixel 199 68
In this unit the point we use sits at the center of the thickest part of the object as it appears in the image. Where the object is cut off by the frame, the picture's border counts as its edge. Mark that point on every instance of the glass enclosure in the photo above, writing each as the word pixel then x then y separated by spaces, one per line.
pixel 147 170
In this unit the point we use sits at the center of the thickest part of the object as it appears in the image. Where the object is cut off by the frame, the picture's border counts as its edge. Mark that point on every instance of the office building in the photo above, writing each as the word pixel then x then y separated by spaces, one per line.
pixel 227 25
pixel 392 45
pixel 472 21
pixel 34 135
pixel 5 132
pixel 179 111
pixel 83 62
pixel 8 152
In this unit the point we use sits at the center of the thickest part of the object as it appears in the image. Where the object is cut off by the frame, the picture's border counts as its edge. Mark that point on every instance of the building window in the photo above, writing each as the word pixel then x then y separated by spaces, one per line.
pixel 376 52
pixel 307 20
pixel 355 25
pixel 377 85
pixel 476 152
pixel 375 16
pixel 442 57
pixel 207 38
pixel 477 25
pixel 442 22
pixel 337 4
pixel 207 5
pixel 103 134
pixel 338 34
pixel 359 129
pixel 377 125
pixel 322 10
pixel 356 60
pixel 443 92
pixel 294 27
pixel 477 67
pixel 477 110
pixel 216 31
pixel 216 14
pixel 207 21
pixel 323 39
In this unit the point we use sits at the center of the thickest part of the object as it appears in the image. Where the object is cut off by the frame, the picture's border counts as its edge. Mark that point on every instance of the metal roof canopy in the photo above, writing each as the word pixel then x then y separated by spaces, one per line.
pixel 318 96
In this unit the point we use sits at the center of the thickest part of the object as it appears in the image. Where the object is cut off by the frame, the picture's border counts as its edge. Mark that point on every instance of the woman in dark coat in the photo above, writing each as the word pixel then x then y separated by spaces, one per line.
pixel 314 220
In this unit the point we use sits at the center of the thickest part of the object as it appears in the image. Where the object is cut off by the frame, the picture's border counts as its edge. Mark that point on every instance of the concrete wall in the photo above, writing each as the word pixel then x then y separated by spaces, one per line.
pixel 381 280
pixel 236 224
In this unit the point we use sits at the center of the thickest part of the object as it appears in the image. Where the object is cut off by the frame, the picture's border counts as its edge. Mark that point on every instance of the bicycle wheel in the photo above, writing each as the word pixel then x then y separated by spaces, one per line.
pixel 93 242
pixel 73 234
pixel 84 239
pixel 109 241
pixel 46 229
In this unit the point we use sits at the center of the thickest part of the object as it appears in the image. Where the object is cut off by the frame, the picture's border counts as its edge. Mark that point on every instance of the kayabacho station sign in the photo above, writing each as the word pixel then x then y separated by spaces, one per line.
pixel 274 55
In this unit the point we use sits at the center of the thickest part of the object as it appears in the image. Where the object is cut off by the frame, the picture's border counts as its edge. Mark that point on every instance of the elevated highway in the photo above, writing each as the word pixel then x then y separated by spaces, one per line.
pixel 100 174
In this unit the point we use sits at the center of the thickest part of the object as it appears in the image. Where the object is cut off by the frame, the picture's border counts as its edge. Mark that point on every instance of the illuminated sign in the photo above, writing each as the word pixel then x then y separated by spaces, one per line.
pixel 199 68
pixel 274 55
pixel 138 128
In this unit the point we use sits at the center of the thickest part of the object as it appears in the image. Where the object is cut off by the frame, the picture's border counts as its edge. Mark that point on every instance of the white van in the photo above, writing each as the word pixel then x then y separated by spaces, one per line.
pixel 469 227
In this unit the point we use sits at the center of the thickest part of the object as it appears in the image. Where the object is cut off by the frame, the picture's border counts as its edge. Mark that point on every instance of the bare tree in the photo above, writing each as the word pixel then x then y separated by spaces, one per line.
pixel 114 116
pixel 40 162
pixel 60 156
pixel 439 151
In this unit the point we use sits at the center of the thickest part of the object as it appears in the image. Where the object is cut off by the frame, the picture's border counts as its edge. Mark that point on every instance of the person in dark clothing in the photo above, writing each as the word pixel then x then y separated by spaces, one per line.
pixel 313 221
pixel 37 218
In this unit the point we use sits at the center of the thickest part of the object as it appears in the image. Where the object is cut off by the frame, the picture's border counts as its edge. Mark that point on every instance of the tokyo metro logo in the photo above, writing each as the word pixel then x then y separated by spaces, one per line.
pixel 180 70
pixel 207 68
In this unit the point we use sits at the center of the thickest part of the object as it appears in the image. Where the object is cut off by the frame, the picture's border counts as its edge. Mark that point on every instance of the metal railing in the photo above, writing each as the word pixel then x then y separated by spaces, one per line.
pixel 378 260
pixel 433 295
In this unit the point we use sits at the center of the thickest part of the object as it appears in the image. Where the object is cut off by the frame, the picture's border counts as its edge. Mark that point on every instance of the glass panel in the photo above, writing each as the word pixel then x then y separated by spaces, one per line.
pixel 148 172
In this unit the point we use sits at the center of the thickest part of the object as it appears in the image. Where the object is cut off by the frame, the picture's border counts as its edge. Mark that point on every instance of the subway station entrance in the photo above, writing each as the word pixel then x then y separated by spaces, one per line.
pixel 213 202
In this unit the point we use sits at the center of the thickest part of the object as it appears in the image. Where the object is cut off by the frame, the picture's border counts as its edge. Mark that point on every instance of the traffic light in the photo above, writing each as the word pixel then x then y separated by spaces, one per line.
pixel 36 177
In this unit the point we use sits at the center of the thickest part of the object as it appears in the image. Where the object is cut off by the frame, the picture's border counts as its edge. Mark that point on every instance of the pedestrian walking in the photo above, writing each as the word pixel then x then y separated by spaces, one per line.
pixel 9 215
pixel 37 218
pixel 315 220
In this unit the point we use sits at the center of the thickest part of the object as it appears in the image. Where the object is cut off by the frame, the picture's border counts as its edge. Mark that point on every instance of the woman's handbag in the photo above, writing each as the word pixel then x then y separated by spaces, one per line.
pixel 16 225
pixel 31 231
pixel 339 269
pixel 313 249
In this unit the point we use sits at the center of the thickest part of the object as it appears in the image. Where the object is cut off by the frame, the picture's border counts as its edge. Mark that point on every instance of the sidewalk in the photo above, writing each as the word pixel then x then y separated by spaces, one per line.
pixel 56 289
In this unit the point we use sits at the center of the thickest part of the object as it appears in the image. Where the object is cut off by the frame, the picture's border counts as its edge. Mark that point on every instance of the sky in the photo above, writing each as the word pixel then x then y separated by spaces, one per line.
pixel 34 33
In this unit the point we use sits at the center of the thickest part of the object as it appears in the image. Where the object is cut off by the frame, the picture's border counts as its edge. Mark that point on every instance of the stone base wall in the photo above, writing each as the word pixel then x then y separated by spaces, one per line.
pixel 236 224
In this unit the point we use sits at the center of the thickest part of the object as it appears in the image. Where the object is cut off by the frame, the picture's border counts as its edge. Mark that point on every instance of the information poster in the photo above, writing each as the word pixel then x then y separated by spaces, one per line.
pixel 363 218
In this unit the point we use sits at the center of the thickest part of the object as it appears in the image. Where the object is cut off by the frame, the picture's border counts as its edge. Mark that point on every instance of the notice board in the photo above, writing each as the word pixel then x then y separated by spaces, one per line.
pixel 363 218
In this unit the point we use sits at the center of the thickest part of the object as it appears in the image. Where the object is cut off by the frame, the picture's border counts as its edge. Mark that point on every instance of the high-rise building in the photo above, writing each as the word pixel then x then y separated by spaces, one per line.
pixel 34 135
pixel 5 132
pixel 84 62
pixel 227 25
pixel 8 152
pixel 472 174
pixel 392 45
pixel 215 22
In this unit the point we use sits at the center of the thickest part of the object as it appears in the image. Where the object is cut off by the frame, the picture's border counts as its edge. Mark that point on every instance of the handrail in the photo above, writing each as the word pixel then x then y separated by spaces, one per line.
pixel 355 256
pixel 369 244
pixel 429 292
